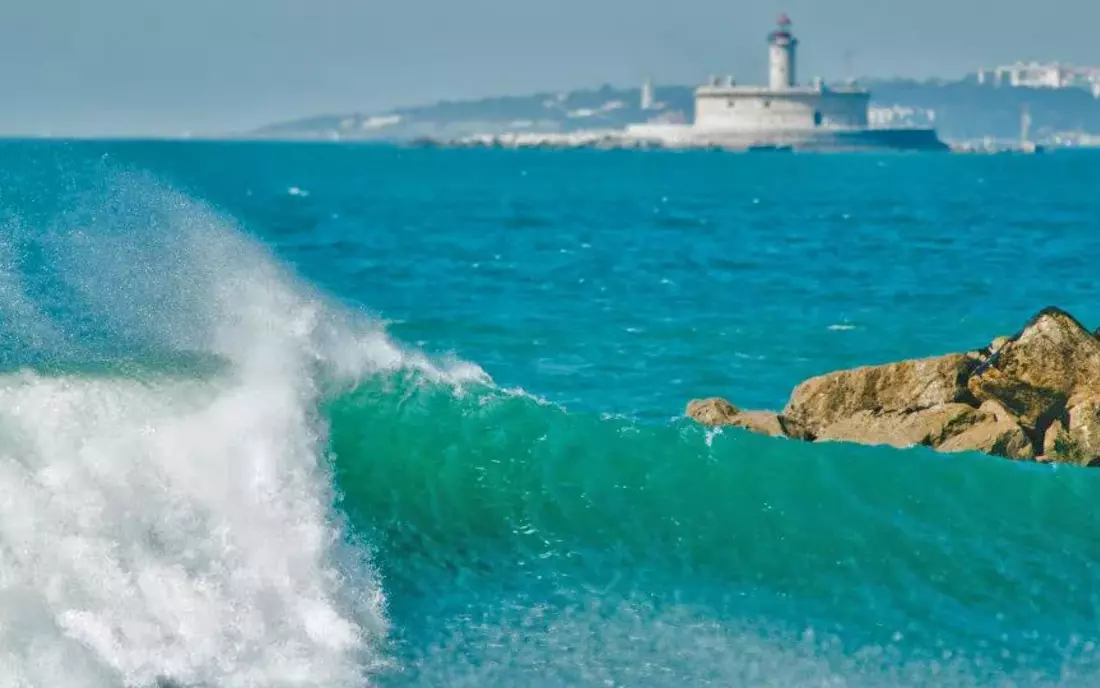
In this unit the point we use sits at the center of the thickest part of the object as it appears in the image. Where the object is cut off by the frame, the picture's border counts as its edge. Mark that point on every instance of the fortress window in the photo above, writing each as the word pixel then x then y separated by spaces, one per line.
pixel 731 102
pixel 767 103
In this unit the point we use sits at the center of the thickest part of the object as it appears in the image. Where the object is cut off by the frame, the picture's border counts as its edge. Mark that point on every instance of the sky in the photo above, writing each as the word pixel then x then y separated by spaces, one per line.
pixel 166 67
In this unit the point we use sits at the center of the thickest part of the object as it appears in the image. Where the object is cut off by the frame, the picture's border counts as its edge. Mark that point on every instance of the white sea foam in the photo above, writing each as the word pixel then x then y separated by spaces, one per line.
pixel 169 530
pixel 180 528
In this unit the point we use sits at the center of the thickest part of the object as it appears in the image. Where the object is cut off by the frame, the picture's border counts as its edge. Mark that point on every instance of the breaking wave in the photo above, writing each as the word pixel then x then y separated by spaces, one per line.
pixel 166 504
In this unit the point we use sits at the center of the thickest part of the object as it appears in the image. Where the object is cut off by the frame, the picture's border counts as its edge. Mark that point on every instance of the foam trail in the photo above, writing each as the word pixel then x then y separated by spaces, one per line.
pixel 167 527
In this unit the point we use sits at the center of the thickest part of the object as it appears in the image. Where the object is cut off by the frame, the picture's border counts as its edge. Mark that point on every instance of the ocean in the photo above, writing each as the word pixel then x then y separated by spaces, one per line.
pixel 355 415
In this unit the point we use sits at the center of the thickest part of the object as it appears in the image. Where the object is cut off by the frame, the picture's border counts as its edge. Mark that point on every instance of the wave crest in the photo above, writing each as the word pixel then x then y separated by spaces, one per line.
pixel 178 524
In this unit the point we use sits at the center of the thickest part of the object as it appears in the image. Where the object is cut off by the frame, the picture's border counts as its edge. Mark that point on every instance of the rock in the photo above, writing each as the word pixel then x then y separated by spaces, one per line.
pixel 712 412
pixel 1083 430
pixel 1033 396
pixel 719 412
pixel 930 427
pixel 992 436
pixel 795 429
pixel 1035 407
pixel 994 408
pixel 901 387
pixel 1054 438
pixel 763 422
pixel 947 428
pixel 1052 364
pixel 990 352
pixel 998 344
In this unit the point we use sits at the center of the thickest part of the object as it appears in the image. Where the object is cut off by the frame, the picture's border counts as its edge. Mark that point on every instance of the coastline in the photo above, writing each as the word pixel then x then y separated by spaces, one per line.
pixel 688 138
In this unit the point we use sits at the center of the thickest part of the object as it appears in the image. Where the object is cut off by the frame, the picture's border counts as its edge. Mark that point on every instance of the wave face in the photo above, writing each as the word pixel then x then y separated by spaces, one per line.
pixel 572 549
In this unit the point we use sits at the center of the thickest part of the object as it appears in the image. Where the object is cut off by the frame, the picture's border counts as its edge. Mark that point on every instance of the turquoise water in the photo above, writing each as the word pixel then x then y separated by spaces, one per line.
pixel 349 415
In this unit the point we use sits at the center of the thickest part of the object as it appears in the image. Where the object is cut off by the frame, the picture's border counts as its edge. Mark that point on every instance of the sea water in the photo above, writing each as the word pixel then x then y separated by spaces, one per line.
pixel 336 415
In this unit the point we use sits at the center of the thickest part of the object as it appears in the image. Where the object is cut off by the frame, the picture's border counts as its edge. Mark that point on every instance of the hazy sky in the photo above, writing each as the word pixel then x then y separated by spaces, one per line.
pixel 168 66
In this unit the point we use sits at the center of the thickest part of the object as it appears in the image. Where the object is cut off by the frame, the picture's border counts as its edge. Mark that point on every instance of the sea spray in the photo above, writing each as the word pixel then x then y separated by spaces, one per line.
pixel 174 525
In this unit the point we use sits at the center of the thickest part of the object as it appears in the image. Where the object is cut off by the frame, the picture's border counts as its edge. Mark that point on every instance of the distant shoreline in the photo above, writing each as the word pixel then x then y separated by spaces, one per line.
pixel 596 144
pixel 962 111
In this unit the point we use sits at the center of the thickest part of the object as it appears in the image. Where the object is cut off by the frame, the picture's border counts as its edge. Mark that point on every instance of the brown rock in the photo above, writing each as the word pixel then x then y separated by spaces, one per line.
pixel 719 412
pixel 947 428
pixel 795 429
pixel 763 422
pixel 901 387
pixel 1054 438
pixel 1084 428
pixel 998 344
pixel 1035 393
pixel 994 408
pixel 712 411
pixel 1034 406
pixel 1053 364
pixel 991 436
pixel 930 427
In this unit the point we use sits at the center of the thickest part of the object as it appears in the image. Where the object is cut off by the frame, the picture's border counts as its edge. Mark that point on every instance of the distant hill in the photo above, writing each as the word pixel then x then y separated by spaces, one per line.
pixel 603 108
pixel 966 110
pixel 963 109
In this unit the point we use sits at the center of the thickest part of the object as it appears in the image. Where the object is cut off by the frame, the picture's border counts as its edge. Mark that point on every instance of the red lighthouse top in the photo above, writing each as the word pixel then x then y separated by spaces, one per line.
pixel 783 30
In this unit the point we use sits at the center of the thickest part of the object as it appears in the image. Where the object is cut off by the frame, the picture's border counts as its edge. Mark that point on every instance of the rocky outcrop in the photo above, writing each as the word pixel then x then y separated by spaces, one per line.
pixel 712 411
pixel 902 428
pixel 718 412
pixel 1050 367
pixel 1035 395
pixel 894 388
pixel 1002 437
pixel 1083 426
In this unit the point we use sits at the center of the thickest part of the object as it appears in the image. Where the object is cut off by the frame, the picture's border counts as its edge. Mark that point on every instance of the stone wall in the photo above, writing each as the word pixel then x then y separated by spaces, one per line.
pixel 756 109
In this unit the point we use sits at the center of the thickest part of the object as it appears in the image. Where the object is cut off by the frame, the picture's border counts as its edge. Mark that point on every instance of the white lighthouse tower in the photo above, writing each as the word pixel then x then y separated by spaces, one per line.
pixel 781 55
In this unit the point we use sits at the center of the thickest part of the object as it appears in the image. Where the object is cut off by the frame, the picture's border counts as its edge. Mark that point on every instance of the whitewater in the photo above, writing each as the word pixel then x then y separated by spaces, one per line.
pixel 165 502
pixel 353 416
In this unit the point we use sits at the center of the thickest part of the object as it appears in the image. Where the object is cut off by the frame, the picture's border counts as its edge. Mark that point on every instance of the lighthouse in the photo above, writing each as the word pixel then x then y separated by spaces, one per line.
pixel 782 114
pixel 781 55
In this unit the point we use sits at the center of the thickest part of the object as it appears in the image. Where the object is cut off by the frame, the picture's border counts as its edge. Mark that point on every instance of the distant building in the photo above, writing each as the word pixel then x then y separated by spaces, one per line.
pixel 783 103
pixel 900 115
pixel 1031 75
pixel 1052 75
